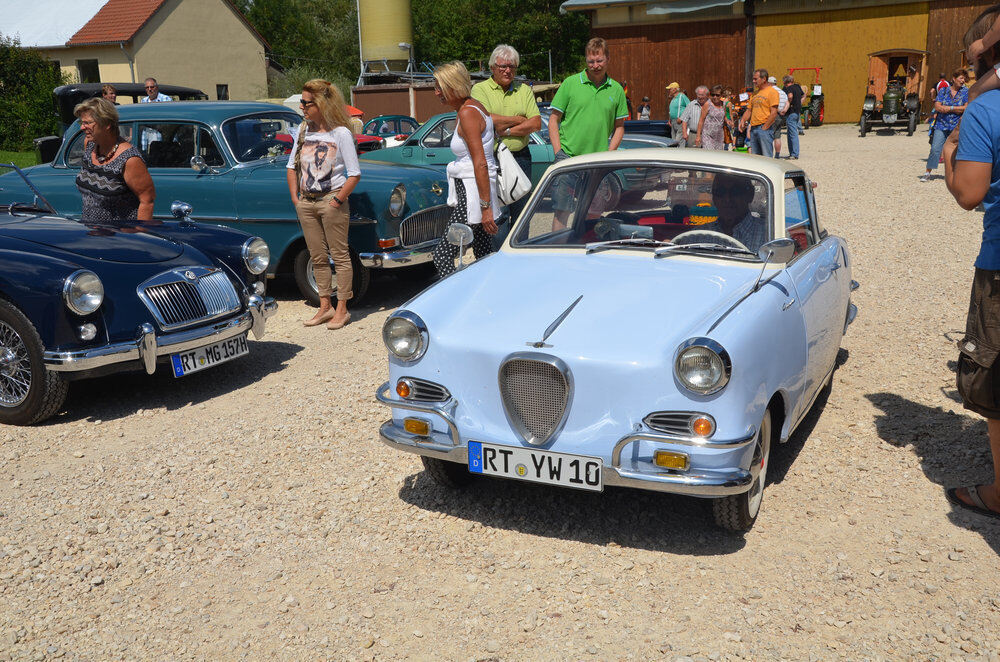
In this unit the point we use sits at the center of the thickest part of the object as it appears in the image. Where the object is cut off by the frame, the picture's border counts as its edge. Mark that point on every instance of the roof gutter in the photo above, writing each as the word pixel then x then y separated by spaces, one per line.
pixel 131 62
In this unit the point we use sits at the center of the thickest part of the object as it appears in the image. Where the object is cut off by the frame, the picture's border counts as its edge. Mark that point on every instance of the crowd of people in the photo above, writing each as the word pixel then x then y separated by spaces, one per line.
pixel 754 119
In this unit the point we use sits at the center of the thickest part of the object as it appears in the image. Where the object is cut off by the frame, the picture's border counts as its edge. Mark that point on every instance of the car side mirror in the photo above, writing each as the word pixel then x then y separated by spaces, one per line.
pixel 198 164
pixel 777 250
pixel 459 234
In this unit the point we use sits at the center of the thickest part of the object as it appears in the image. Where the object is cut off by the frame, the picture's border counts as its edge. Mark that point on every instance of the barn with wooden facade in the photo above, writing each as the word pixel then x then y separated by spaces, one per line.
pixel 722 41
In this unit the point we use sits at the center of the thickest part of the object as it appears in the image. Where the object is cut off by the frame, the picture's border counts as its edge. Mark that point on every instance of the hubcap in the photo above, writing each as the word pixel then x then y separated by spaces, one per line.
pixel 15 368
pixel 311 277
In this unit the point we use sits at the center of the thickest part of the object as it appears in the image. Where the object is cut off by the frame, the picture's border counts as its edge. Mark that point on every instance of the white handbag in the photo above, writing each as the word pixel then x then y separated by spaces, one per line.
pixel 512 183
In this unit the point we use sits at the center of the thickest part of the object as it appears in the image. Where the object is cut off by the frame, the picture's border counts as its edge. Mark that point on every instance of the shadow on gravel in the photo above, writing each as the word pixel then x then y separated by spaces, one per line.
pixel 117 396
pixel 953 449
pixel 627 517
pixel 389 289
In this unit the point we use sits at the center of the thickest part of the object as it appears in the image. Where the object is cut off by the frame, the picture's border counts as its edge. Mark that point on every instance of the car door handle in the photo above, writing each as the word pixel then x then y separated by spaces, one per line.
pixel 835 266
pixel 429 154
pixel 788 304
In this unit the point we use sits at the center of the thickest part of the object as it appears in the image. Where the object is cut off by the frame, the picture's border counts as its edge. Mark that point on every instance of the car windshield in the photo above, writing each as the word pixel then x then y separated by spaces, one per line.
pixel 261 136
pixel 644 207
pixel 17 194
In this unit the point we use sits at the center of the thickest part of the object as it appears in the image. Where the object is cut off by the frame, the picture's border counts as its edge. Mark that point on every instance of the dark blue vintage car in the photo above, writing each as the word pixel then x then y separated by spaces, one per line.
pixel 227 158
pixel 81 300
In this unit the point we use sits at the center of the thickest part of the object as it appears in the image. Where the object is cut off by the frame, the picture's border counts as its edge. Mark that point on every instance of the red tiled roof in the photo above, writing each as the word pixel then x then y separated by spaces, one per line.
pixel 117 21
pixel 120 20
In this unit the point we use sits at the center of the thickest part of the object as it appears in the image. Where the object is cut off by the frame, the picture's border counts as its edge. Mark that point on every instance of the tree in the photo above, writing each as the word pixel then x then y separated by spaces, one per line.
pixel 27 105
pixel 462 30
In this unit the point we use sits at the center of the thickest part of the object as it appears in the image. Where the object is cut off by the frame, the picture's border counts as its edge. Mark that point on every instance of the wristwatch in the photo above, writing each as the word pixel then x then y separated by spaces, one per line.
pixel 339 201
pixel 506 131
pixel 485 204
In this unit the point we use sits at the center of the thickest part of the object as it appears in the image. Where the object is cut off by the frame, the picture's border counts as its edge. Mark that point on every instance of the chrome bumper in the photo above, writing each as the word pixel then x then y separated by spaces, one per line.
pixel 449 446
pixel 147 346
pixel 406 257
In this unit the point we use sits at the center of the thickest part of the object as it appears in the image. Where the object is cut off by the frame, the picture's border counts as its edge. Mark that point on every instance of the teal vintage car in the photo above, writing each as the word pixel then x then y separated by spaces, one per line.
pixel 227 159
pixel 430 145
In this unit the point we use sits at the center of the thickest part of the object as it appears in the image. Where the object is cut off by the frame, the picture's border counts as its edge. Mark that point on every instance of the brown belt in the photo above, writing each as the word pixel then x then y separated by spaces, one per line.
pixel 313 197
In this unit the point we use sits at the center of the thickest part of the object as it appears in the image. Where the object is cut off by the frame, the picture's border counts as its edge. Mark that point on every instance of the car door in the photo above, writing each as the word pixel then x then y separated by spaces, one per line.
pixel 435 145
pixel 817 275
pixel 168 148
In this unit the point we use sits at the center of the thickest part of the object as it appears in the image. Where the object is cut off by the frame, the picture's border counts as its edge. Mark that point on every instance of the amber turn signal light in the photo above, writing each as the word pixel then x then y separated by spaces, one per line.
pixel 403 388
pixel 417 426
pixel 702 426
pixel 671 460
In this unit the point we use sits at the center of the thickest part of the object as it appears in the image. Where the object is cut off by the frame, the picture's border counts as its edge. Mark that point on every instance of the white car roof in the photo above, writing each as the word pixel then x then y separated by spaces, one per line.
pixel 771 168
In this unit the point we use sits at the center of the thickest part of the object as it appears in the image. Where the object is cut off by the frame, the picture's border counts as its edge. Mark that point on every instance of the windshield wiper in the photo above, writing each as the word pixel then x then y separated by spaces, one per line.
pixel 713 248
pixel 637 242
pixel 24 206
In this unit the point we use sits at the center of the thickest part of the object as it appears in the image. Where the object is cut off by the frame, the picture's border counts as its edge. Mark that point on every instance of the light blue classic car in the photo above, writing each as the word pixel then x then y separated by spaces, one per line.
pixel 663 340
pixel 227 159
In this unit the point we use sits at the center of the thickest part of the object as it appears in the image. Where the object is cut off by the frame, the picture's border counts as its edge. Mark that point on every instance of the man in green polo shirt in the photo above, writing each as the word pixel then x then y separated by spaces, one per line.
pixel 588 109
pixel 512 107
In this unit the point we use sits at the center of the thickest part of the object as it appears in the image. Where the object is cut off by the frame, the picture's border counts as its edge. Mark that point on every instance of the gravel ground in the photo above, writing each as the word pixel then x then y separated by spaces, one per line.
pixel 252 512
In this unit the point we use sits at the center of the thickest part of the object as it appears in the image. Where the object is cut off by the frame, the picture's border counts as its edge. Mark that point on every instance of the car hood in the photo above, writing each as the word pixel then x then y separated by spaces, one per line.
pixel 105 243
pixel 630 300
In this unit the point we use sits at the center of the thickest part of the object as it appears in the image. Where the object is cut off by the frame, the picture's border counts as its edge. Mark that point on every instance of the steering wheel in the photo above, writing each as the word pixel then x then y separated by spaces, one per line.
pixel 708 236
pixel 260 150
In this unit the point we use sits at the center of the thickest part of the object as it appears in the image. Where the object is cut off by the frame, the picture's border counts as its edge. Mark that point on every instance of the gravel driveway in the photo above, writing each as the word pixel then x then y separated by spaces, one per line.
pixel 251 511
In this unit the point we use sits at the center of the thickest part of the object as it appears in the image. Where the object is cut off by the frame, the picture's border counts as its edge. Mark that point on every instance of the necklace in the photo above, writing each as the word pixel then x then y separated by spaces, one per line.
pixel 104 159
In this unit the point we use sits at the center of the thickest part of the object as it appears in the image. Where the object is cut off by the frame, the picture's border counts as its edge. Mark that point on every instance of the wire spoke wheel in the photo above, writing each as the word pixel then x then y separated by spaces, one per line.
pixel 15 367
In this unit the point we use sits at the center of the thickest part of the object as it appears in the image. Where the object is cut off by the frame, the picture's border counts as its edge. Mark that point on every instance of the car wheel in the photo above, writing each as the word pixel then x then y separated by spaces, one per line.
pixel 447 474
pixel 912 126
pixel 305 279
pixel 864 125
pixel 738 512
pixel 28 392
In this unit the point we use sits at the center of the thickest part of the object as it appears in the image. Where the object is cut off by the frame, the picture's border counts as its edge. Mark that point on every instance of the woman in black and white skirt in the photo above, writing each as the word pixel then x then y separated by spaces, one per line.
pixel 472 176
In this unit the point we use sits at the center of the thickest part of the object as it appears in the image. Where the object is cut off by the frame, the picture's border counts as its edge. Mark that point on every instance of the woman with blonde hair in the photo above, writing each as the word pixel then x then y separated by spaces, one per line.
pixel 323 169
pixel 472 176
pixel 114 182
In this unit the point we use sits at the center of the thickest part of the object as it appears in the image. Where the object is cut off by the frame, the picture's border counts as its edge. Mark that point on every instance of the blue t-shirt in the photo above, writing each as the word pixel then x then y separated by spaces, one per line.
pixel 979 141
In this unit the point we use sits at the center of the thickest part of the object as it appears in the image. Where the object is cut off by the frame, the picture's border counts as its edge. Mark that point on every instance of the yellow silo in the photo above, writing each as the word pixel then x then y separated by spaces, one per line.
pixel 384 25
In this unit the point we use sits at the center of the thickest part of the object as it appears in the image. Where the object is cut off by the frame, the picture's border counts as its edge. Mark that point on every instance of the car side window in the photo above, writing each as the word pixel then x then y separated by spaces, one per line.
pixel 799 222
pixel 74 154
pixel 208 150
pixel 440 135
pixel 407 126
pixel 167 145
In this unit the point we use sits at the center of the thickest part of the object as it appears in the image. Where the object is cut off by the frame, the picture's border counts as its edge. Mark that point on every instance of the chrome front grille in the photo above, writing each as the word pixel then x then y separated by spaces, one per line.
pixel 535 391
pixel 426 225
pixel 673 422
pixel 182 297
pixel 425 391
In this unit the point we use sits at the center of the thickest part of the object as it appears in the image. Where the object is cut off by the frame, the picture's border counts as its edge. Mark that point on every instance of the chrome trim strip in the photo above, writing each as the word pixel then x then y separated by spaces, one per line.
pixel 691 416
pixel 701 485
pixel 721 444
pixel 147 346
pixel 445 410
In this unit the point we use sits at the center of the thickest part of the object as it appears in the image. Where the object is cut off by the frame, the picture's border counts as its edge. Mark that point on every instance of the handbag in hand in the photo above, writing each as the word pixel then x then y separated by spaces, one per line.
pixel 512 183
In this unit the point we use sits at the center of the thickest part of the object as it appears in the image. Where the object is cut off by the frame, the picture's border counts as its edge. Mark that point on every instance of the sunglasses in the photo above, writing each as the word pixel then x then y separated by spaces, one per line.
pixel 306 104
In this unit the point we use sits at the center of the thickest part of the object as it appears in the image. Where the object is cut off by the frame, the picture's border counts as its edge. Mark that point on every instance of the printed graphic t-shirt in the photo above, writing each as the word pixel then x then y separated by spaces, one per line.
pixel 761 103
pixel 328 159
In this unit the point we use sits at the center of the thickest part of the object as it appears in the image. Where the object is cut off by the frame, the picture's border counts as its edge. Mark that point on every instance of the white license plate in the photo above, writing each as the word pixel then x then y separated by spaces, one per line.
pixel 537 466
pixel 185 363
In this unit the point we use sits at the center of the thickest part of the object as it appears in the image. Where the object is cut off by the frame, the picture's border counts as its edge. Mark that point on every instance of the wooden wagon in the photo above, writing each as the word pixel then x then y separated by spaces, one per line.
pixel 895 88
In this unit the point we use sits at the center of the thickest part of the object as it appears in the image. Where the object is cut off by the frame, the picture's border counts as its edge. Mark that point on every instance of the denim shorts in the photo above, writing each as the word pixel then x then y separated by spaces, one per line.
pixel 978 374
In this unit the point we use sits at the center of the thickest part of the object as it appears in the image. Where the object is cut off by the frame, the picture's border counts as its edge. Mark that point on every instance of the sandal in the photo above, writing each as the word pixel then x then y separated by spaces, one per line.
pixel 977 506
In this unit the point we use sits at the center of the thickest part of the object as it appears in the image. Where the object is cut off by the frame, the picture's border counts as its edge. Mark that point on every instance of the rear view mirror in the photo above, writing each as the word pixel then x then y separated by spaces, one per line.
pixel 777 250
pixel 198 164
pixel 459 234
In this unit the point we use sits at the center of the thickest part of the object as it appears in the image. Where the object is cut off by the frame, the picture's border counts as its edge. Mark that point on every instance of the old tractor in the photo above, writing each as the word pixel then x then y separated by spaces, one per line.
pixel 812 100
pixel 895 89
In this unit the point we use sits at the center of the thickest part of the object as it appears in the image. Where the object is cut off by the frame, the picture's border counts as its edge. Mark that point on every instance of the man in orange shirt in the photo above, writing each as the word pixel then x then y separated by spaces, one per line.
pixel 761 115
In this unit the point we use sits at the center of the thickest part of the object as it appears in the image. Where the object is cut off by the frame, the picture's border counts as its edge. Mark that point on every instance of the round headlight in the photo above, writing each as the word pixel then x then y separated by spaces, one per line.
pixel 397 200
pixel 256 255
pixel 703 366
pixel 83 292
pixel 405 336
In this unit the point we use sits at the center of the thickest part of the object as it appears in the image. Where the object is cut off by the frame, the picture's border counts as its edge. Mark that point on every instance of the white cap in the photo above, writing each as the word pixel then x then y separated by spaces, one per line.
pixel 772 79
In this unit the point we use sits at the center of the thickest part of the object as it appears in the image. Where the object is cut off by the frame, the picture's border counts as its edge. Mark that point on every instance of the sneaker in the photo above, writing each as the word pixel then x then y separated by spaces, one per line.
pixel 926 177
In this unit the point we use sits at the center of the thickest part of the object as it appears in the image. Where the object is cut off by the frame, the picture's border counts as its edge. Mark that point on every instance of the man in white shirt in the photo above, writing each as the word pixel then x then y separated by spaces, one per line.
pixel 692 116
pixel 782 110
pixel 153 93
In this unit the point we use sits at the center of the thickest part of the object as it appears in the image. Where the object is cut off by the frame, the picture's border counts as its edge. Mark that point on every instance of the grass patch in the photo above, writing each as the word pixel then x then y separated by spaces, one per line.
pixel 20 159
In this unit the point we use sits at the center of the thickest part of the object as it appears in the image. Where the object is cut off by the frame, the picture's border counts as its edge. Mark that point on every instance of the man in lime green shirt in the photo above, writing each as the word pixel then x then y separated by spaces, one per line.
pixel 589 108
pixel 512 107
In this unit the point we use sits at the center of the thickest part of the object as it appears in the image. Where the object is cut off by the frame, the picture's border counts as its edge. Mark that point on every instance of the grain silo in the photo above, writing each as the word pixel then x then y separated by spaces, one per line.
pixel 386 34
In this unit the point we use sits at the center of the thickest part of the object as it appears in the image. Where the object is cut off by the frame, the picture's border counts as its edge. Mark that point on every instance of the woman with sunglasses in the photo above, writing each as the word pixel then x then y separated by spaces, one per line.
pixel 323 169
pixel 711 131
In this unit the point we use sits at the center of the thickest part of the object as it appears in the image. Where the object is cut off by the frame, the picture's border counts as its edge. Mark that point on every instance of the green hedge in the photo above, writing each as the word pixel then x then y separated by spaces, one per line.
pixel 27 106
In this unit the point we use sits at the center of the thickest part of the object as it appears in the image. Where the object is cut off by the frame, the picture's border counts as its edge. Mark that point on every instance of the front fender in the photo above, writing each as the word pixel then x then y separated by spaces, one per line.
pixel 869 105
pixel 34 284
